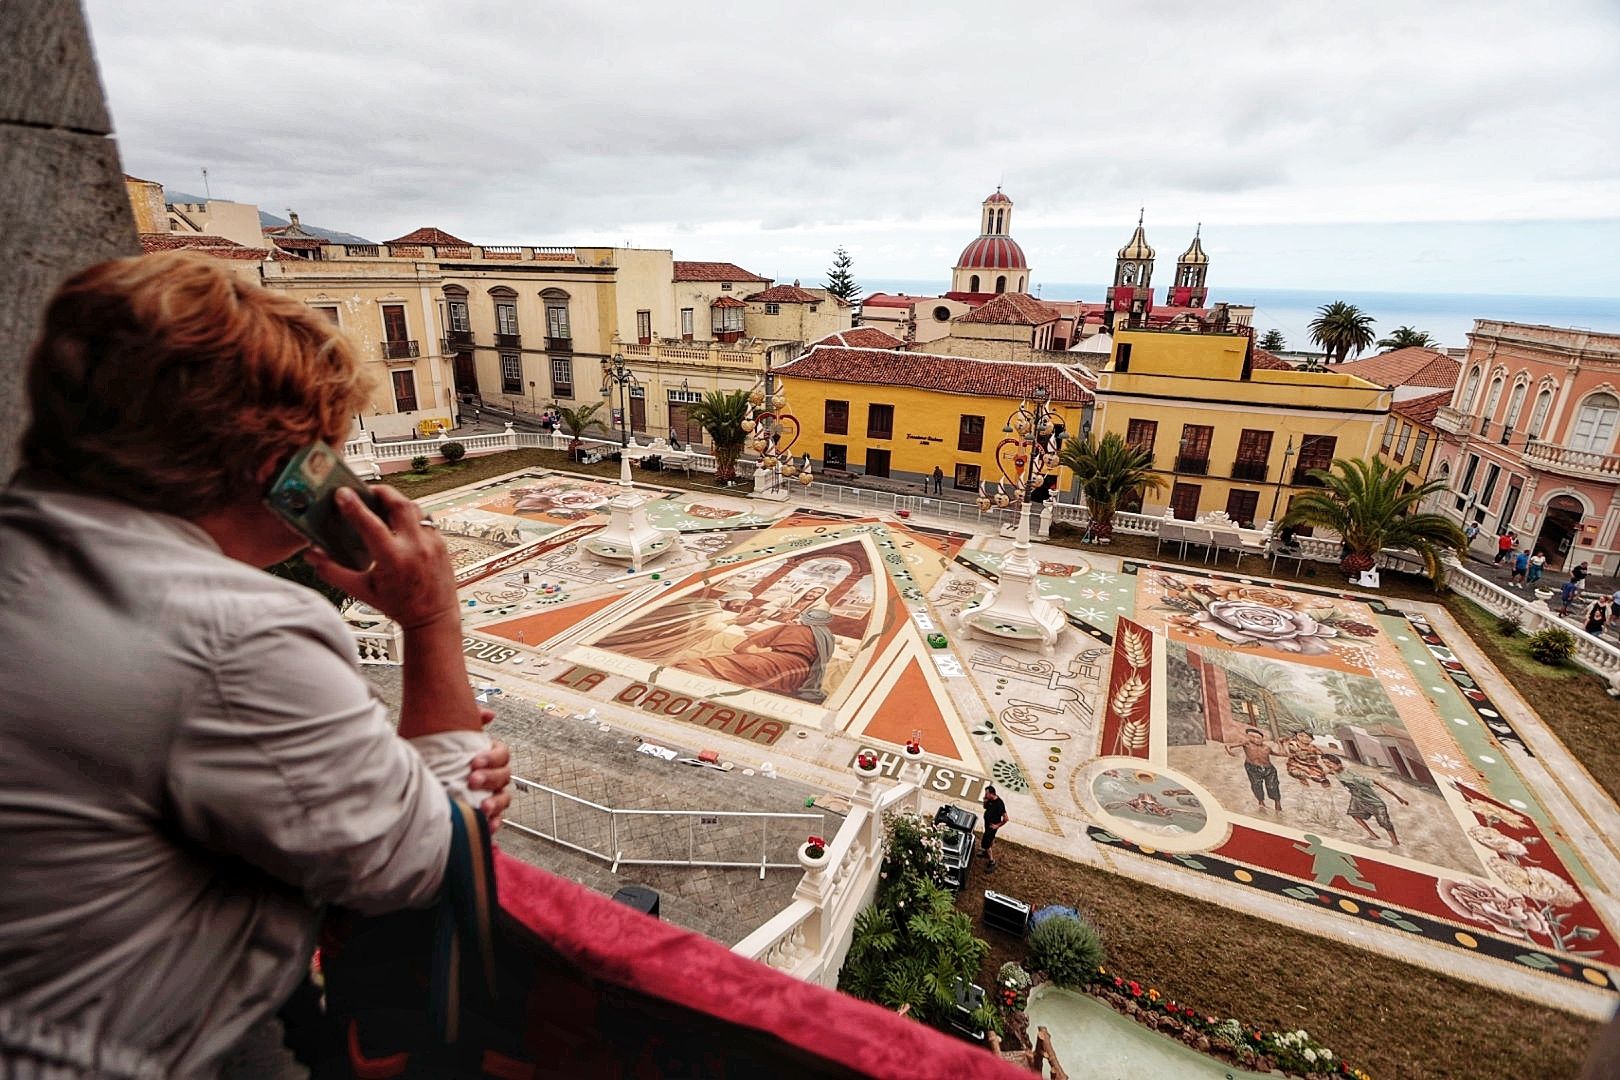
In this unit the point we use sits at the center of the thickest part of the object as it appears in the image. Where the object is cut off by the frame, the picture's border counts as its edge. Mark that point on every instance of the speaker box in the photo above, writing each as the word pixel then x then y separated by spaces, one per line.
pixel 1005 914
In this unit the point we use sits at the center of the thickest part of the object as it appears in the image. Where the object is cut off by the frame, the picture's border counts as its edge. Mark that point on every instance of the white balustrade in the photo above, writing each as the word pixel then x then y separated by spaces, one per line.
pixel 1594 652
pixel 378 646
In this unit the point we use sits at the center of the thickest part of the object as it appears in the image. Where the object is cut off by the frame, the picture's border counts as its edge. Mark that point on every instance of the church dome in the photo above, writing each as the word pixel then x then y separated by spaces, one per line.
pixel 993 253
pixel 997 197
pixel 1194 255
pixel 1137 248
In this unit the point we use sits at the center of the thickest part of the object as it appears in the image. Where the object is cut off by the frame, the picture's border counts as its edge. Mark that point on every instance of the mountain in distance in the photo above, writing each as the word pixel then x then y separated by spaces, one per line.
pixel 271 221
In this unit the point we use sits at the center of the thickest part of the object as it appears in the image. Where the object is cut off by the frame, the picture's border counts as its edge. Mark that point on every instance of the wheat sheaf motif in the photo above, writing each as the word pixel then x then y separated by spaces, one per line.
pixel 1132 736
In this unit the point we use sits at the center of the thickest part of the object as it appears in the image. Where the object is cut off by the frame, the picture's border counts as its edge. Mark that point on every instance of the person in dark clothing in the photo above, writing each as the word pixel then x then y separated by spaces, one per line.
pixel 995 816
pixel 1596 617
pixel 939 480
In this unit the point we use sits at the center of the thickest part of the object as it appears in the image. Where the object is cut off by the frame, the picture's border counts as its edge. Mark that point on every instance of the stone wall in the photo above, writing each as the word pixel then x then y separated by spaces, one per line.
pixel 63 205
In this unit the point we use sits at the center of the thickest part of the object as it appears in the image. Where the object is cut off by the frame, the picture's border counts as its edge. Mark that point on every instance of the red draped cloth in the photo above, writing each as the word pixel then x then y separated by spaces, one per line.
pixel 617 993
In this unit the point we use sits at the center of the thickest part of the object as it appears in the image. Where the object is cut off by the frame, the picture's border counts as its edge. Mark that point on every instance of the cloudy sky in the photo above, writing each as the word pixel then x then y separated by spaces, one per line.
pixel 1446 147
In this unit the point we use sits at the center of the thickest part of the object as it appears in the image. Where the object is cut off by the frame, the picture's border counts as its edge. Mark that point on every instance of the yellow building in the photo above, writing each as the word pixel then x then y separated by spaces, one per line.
pixel 1410 437
pixel 1231 427
pixel 901 414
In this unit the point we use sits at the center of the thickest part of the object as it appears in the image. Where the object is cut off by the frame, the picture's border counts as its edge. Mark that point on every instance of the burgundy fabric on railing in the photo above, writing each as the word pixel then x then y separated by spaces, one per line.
pixel 622 994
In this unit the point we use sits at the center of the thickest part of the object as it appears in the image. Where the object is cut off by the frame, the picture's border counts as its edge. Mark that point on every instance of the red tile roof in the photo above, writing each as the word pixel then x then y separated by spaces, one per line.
pixel 949 374
pixel 427 234
pixel 862 337
pixel 1012 309
pixel 785 294
pixel 713 271
pixel 894 300
pixel 1264 361
pixel 1407 367
pixel 216 246
pixel 1422 410
pixel 726 301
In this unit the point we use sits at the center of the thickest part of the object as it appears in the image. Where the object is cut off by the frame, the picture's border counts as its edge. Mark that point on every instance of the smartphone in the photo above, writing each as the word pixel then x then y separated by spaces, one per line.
pixel 304 495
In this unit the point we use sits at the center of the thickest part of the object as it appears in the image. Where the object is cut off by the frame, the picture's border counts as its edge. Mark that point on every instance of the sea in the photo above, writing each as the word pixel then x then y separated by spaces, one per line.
pixel 1447 317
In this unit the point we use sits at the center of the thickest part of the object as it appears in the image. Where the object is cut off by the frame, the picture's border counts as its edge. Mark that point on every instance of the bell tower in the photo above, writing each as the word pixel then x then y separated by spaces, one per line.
pixel 1189 289
pixel 1130 298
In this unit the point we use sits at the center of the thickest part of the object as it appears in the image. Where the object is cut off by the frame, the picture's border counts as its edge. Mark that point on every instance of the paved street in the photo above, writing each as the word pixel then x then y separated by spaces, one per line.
pixel 574 756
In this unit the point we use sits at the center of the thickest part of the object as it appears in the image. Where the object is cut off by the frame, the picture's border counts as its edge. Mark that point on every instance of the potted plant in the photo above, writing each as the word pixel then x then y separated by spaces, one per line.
pixel 914 745
pixel 866 764
pixel 1110 471
pixel 813 855
pixel 1372 507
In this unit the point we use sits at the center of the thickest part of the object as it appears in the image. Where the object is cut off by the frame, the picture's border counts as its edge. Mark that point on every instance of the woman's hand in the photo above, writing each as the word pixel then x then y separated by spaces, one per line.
pixel 411 581
pixel 491 771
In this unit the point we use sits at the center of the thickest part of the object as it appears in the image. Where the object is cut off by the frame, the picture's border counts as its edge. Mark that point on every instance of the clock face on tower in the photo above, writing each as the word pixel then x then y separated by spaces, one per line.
pixel 1127 273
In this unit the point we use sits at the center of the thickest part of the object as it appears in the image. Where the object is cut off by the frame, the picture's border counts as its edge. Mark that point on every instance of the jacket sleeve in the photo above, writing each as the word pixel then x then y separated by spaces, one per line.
pixel 287 761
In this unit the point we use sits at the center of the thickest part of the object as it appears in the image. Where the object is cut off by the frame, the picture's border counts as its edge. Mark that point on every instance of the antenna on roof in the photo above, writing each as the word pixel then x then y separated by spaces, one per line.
pixel 207 194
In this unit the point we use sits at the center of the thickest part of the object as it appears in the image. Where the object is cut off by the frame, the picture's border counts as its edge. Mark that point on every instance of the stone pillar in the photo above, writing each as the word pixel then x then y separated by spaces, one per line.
pixel 63 204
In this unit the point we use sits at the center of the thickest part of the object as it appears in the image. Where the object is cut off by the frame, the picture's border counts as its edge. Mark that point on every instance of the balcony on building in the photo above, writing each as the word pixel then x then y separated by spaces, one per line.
pixel 509 341
pixel 1249 470
pixel 1453 420
pixel 457 340
pixel 1196 466
pixel 401 350
pixel 1303 478
pixel 1578 463
pixel 559 344
pixel 726 316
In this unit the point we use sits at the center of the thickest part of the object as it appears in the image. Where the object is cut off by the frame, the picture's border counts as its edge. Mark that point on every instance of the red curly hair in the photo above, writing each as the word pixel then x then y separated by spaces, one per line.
pixel 167 381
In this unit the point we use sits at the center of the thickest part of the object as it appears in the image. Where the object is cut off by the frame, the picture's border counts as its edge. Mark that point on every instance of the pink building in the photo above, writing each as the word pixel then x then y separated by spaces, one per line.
pixel 1528 442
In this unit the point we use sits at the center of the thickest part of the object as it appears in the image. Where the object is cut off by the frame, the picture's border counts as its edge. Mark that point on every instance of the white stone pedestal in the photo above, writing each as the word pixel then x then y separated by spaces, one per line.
pixel 1012 613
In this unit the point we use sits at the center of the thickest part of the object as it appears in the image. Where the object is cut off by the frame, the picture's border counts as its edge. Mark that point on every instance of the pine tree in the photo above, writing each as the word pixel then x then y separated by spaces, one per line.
pixel 1273 341
pixel 840 282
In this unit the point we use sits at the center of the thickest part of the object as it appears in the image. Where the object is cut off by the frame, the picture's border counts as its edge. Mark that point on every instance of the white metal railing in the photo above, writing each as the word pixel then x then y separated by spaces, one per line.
pixel 644 837
pixel 810 937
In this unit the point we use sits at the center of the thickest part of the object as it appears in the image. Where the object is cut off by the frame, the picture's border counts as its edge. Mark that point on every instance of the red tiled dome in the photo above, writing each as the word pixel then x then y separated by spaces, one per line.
pixel 993 253
pixel 998 197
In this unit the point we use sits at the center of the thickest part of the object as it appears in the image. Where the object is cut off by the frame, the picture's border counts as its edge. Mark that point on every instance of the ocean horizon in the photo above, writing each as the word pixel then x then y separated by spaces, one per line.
pixel 1448 317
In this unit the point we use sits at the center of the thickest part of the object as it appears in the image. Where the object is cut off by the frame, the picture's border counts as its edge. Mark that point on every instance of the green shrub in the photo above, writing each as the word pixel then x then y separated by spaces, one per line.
pixel 419 463
pixel 453 452
pixel 1508 624
pixel 1553 646
pixel 1067 949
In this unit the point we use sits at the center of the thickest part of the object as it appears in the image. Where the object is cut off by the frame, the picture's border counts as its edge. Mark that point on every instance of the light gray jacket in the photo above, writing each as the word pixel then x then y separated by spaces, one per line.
pixel 190 766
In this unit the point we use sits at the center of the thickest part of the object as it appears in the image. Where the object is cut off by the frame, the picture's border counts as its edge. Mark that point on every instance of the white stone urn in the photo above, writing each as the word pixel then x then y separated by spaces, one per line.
pixel 813 863
pixel 865 775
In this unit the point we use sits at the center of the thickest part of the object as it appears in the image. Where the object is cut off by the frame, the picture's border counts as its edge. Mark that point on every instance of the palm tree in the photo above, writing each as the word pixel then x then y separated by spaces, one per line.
pixel 1109 472
pixel 1273 341
pixel 722 414
pixel 1405 337
pixel 1342 330
pixel 575 421
pixel 1372 507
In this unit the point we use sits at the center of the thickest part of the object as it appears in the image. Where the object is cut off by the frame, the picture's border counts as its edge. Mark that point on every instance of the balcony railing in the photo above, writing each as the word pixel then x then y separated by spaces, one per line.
pixel 1197 466
pixel 400 350
pixel 1452 420
pixel 1561 459
pixel 1249 470
pixel 509 341
pixel 559 344
pixel 458 339
pixel 1303 477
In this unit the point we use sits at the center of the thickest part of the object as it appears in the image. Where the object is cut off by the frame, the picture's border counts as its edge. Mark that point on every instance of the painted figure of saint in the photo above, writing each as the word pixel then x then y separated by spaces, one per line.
pixel 790 659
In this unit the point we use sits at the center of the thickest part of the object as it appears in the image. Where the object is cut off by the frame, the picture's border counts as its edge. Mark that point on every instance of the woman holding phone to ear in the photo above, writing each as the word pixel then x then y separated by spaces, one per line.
pixel 191 765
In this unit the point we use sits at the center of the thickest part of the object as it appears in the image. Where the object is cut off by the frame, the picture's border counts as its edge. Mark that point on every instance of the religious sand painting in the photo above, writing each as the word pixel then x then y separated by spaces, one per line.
pixel 1332 751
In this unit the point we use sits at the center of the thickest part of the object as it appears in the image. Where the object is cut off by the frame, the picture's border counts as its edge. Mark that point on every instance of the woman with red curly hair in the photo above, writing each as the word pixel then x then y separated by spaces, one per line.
pixel 191 765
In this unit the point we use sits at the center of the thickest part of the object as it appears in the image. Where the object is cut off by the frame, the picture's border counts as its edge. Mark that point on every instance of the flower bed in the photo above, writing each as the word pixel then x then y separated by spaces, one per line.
pixel 1294 1052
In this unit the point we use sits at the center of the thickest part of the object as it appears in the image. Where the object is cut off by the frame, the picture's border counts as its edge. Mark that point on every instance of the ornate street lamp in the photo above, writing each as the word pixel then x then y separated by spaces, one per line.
pixel 615 373
pixel 774 430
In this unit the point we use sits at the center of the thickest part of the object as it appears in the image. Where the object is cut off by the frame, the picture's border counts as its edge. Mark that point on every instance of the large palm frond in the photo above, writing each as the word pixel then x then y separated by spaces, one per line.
pixel 1406 337
pixel 1341 330
pixel 1110 470
pixel 575 420
pixel 1373 506
pixel 722 413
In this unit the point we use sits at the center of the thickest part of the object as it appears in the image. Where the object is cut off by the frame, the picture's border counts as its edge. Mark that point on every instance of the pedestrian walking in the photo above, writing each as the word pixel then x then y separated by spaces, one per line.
pixel 1537 562
pixel 939 480
pixel 1578 575
pixel 1614 609
pixel 1504 545
pixel 1521 567
pixel 1566 595
pixel 1596 617
pixel 995 816
pixel 1471 530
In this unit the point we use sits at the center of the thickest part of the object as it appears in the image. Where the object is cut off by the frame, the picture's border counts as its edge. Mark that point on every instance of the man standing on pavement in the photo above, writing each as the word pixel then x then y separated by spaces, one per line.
pixel 939 480
pixel 995 816
pixel 1471 530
